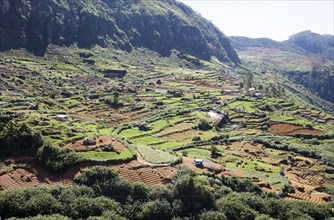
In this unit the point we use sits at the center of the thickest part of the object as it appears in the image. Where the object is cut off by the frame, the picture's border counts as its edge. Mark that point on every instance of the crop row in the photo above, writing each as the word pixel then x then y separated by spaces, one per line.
pixel 155 156
pixel 250 165
pixel 274 152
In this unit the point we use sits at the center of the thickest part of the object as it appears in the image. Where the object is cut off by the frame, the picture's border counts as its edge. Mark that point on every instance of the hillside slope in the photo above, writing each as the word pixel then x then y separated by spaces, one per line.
pixel 306 59
pixel 157 25
pixel 302 43
pixel 242 43
pixel 314 43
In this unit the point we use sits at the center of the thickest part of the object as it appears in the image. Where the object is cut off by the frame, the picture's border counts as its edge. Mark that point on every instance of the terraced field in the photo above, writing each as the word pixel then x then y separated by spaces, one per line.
pixel 145 175
pixel 317 198
pixel 249 165
pixel 274 152
pixel 162 123
pixel 107 156
pixel 186 136
pixel 21 177
pixel 178 128
pixel 147 140
pixel 155 156
pixel 291 129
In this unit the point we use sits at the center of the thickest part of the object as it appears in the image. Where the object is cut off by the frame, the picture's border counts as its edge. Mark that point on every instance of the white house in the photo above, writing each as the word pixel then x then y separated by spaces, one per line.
pixel 259 95
pixel 62 118
pixel 252 91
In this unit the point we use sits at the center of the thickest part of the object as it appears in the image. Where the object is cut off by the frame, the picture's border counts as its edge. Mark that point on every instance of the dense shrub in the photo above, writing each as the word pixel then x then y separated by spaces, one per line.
pixel 28 202
pixel 106 182
pixel 56 158
pixel 157 209
pixel 188 196
pixel 83 207
pixel 204 124
pixel 19 140
pixel 44 217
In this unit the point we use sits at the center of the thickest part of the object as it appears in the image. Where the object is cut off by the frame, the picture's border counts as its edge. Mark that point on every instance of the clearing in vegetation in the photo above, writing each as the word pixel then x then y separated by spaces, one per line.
pixel 291 129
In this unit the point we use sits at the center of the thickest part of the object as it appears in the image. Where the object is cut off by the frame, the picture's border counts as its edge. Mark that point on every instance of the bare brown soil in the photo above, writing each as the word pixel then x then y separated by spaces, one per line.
pixel 208 166
pixel 29 174
pixel 138 172
pixel 20 178
pixel 235 173
pixel 101 142
pixel 290 129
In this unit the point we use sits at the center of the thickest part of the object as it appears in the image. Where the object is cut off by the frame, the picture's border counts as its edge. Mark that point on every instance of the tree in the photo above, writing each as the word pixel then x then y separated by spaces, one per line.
pixel 56 158
pixel 203 124
pixel 157 209
pixel 213 215
pixel 235 210
pixel 83 207
pixel 241 85
pixel 196 138
pixel 115 98
pixel 214 152
pixel 190 192
pixel 249 80
pixel 106 182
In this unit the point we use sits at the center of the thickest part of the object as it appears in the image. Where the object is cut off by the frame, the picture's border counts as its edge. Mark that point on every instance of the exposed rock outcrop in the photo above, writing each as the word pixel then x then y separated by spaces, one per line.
pixel 161 26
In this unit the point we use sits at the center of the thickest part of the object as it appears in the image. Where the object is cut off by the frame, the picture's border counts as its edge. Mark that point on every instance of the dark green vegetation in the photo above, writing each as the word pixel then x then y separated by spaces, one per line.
pixel 314 43
pixel 22 140
pixel 18 140
pixel 319 81
pixel 101 194
pixel 125 24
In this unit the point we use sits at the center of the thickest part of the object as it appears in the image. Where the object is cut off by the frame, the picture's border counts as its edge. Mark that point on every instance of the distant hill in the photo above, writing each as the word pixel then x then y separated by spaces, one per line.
pixel 303 43
pixel 314 43
pixel 306 58
pixel 160 26
pixel 242 43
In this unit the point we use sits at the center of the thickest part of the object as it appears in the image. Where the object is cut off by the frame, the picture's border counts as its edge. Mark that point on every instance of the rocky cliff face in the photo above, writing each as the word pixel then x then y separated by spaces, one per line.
pixel 320 82
pixel 157 25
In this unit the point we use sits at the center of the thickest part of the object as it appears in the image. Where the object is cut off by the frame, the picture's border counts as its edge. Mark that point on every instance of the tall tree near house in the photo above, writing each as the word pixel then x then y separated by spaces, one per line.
pixel 116 97
pixel 248 80
pixel 241 85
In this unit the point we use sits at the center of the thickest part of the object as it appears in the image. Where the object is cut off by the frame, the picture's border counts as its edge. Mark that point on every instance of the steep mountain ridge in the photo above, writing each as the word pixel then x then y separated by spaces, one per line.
pixel 160 26
pixel 314 43
pixel 302 43
pixel 306 59
pixel 241 43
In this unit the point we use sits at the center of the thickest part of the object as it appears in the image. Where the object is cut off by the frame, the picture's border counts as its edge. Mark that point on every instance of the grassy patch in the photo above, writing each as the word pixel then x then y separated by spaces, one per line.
pixel 128 133
pixel 157 125
pixel 107 156
pixel 167 145
pixel 147 140
pixel 198 153
pixel 246 105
